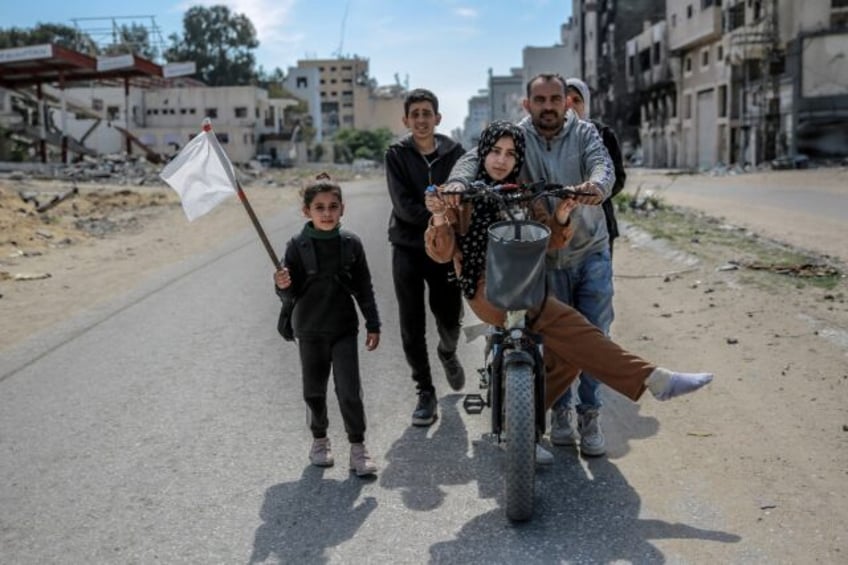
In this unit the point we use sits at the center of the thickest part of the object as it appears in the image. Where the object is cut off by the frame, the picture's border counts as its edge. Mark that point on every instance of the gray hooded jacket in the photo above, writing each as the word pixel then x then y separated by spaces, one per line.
pixel 574 155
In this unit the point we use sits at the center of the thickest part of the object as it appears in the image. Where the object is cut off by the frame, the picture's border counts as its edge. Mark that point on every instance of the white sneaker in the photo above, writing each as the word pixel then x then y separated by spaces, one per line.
pixel 360 460
pixel 562 427
pixel 592 442
pixel 321 454
pixel 543 456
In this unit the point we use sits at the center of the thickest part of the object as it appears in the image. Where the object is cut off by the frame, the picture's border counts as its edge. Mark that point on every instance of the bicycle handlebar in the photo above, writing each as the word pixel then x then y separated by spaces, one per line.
pixel 514 192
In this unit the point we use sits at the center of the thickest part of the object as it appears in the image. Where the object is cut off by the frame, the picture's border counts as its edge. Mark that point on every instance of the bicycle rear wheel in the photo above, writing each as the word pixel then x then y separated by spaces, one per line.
pixel 520 428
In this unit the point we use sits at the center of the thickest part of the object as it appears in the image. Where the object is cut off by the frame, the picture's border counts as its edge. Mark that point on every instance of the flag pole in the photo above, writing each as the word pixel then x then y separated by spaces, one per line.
pixel 275 260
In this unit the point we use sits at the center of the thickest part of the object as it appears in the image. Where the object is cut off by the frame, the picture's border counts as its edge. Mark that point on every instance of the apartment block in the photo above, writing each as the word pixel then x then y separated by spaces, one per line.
pixel 349 98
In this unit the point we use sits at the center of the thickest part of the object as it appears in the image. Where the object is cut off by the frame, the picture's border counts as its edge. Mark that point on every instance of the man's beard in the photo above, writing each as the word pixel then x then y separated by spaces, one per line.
pixel 553 125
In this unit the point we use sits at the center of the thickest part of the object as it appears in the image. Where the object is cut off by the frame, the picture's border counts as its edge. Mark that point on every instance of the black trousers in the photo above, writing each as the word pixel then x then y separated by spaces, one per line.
pixel 317 357
pixel 412 269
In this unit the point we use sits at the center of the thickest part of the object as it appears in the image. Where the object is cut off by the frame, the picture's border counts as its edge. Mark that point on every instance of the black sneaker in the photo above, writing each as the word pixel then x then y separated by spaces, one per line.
pixel 425 413
pixel 453 370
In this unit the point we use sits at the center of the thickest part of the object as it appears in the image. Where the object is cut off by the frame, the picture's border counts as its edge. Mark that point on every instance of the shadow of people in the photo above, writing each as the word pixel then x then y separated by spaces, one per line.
pixel 423 459
pixel 302 518
pixel 585 511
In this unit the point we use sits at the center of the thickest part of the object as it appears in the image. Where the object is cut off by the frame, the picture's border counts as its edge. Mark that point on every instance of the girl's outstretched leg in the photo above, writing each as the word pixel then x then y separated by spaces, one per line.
pixel 665 384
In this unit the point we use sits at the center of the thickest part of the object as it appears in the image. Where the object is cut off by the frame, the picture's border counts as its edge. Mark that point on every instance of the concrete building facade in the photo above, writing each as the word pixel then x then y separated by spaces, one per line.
pixel 349 98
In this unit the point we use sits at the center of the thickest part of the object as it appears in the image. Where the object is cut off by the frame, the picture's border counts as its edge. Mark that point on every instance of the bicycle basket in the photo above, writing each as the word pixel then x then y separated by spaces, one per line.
pixel 515 264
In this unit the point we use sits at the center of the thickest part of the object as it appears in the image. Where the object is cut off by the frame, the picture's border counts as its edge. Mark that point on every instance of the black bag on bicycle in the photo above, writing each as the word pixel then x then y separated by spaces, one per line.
pixel 515 264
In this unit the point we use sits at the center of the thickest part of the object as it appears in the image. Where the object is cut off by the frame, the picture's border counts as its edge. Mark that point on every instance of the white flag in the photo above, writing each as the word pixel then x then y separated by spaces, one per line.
pixel 201 174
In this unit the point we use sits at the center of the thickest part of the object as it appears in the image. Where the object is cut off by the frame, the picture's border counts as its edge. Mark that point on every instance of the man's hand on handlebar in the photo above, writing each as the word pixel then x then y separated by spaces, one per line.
pixel 597 195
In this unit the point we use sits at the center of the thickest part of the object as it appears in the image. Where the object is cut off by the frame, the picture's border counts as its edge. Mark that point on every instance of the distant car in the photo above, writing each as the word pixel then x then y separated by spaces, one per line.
pixel 282 163
pixel 798 161
pixel 274 162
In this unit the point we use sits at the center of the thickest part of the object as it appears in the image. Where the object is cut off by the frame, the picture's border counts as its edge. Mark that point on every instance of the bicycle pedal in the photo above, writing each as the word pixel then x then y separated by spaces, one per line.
pixel 473 403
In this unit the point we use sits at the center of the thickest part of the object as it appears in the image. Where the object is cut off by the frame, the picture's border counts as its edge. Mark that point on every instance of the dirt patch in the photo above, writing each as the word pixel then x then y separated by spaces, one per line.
pixel 96 243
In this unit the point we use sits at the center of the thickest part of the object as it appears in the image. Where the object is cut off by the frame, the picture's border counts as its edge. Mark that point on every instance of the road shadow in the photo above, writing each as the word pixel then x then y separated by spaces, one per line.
pixel 295 526
pixel 585 510
pixel 422 460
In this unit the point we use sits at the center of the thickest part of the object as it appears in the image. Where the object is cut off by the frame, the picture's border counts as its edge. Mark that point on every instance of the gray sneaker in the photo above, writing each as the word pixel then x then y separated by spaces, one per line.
pixel 592 442
pixel 562 427
pixel 321 455
pixel 360 460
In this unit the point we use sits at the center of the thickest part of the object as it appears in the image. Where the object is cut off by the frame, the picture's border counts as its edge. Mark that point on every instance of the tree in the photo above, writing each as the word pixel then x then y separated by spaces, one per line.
pixel 132 39
pixel 220 43
pixel 58 34
pixel 353 144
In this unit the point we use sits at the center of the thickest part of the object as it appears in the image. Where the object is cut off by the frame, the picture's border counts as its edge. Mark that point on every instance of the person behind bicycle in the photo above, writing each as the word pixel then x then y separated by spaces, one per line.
pixel 457 234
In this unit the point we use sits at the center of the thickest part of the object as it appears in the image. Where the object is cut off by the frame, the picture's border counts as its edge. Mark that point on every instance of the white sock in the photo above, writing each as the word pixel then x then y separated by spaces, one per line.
pixel 665 384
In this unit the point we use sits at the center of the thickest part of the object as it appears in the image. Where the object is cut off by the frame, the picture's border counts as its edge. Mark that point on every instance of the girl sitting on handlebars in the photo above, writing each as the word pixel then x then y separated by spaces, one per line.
pixel 572 344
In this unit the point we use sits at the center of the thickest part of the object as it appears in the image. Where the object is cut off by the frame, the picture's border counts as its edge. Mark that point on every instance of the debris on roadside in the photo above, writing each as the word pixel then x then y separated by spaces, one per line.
pixel 798 270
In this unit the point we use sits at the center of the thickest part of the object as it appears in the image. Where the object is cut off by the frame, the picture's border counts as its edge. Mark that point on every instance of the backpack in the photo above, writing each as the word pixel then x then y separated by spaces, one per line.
pixel 305 251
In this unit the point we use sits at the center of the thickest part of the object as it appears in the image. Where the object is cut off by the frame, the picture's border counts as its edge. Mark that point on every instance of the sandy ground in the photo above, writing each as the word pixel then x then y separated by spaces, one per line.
pixel 771 445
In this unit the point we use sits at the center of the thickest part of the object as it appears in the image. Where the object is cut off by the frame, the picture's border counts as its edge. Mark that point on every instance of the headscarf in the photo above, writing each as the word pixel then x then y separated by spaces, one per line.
pixel 583 89
pixel 473 243
pixel 493 132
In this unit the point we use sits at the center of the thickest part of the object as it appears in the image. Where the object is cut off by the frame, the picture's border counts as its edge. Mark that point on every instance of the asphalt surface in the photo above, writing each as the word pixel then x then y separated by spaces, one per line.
pixel 168 427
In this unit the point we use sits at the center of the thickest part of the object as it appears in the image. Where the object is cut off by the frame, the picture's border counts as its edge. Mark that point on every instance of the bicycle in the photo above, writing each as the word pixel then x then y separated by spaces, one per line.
pixel 513 375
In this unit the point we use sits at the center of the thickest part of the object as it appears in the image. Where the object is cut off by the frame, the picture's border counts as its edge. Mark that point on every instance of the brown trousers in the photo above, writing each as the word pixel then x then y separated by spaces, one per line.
pixel 572 344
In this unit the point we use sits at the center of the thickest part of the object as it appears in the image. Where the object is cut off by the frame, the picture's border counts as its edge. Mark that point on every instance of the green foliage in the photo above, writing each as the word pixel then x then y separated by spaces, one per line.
pixel 133 39
pixel 62 35
pixel 220 43
pixel 353 144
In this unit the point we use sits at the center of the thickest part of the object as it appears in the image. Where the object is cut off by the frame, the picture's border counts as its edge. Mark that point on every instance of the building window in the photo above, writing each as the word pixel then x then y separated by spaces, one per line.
pixel 222 137
pixel 705 58
pixel 689 11
pixel 687 106
pixel 182 111
pixel 687 65
pixel 722 101
pixel 113 112
pixel 644 60
pixel 241 112
pixel 192 111
pixel 631 60
pixel 734 17
pixel 656 53
pixel 719 54
pixel 211 113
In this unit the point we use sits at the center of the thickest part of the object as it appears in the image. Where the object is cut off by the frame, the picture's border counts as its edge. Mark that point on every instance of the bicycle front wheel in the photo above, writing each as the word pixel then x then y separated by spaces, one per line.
pixel 520 428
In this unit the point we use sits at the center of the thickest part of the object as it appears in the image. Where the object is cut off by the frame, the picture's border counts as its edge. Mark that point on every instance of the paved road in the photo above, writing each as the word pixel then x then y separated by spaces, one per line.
pixel 805 208
pixel 167 427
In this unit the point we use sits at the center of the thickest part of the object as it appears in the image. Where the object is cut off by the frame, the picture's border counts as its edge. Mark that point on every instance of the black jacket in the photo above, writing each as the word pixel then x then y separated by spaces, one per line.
pixel 611 143
pixel 324 302
pixel 408 174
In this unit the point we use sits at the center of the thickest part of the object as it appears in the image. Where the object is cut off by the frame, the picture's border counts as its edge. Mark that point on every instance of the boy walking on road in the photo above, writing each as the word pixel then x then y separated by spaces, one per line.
pixel 418 160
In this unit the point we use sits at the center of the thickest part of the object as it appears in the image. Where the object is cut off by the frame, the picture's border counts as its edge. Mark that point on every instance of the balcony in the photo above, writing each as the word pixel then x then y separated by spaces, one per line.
pixel 702 27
